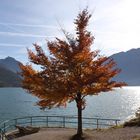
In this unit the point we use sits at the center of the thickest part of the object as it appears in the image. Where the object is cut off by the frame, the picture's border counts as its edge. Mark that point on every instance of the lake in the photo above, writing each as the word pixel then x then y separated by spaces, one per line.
pixel 117 104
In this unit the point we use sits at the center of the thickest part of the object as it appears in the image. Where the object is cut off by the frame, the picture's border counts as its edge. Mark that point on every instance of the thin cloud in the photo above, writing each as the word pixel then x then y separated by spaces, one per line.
pixel 13 45
pixel 29 25
pixel 24 35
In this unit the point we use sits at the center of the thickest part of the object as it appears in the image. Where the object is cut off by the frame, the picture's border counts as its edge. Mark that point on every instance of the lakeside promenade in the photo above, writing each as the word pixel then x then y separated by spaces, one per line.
pixel 128 133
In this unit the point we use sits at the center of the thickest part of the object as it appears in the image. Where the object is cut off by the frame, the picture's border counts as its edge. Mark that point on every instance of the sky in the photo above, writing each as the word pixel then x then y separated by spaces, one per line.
pixel 115 24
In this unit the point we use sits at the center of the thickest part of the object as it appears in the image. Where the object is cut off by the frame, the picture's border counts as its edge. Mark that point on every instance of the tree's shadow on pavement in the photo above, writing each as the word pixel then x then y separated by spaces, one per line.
pixel 77 137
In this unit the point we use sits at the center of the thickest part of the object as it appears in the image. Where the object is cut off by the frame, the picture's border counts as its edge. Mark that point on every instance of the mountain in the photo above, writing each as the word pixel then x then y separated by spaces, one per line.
pixel 9 77
pixel 129 62
pixel 10 64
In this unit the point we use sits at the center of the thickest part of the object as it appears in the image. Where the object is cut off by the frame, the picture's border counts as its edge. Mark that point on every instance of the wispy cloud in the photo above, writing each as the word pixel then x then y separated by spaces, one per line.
pixel 115 23
pixel 13 45
pixel 29 25
pixel 24 35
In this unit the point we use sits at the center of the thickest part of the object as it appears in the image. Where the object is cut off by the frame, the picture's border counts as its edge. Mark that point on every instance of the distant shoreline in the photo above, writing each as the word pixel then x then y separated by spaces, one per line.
pixel 11 87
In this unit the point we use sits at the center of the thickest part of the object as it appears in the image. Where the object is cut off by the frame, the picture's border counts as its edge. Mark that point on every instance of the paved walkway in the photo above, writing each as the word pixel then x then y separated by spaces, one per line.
pixel 131 133
pixel 50 134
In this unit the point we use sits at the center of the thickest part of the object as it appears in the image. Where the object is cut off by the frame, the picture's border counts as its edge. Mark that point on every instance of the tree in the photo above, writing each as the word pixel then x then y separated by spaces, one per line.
pixel 71 71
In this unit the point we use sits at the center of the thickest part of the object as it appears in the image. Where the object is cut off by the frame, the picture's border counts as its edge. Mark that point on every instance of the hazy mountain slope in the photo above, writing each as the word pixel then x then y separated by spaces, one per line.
pixel 10 64
pixel 129 62
pixel 9 78
pixel 9 68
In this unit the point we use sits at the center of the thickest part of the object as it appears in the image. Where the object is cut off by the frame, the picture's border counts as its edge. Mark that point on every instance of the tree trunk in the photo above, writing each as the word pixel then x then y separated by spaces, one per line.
pixel 79 130
pixel 79 107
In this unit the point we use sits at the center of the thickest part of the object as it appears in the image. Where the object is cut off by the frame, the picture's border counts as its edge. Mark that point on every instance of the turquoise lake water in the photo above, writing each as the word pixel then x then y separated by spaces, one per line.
pixel 117 104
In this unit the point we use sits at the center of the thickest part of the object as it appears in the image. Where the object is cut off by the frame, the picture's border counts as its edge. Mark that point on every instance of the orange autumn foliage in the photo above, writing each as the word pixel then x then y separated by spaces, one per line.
pixel 70 69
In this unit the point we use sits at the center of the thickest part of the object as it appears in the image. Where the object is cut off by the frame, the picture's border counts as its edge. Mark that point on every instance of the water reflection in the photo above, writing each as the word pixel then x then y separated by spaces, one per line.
pixel 118 104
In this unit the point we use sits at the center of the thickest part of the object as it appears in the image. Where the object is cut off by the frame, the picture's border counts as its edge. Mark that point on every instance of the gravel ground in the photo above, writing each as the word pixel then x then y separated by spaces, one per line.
pixel 128 133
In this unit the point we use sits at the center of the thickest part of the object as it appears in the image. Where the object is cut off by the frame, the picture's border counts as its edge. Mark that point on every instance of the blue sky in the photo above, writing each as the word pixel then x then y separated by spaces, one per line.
pixel 115 24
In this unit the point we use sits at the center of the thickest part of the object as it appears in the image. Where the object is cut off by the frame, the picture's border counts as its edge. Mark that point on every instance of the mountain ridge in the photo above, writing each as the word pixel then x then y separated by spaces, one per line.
pixel 128 62
pixel 10 63
pixel 9 69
